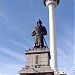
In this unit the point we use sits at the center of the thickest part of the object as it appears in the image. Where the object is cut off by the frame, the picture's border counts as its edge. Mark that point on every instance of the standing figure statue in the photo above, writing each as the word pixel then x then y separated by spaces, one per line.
pixel 38 32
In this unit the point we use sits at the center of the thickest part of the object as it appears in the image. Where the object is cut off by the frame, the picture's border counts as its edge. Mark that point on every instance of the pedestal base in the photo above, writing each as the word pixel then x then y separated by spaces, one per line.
pixel 39 74
pixel 37 63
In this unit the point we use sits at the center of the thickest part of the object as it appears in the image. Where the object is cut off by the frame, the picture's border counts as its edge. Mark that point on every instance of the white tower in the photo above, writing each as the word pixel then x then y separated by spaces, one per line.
pixel 51 4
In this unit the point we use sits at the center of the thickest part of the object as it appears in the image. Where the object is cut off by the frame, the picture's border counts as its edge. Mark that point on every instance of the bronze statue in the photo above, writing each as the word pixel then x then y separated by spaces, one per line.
pixel 38 32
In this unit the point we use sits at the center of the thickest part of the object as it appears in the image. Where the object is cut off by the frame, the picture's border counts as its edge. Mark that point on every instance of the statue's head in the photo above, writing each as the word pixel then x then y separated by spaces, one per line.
pixel 39 22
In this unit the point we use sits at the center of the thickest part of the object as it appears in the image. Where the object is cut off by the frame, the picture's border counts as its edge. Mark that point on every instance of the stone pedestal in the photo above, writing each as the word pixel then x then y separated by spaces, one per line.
pixel 37 62
pixel 37 56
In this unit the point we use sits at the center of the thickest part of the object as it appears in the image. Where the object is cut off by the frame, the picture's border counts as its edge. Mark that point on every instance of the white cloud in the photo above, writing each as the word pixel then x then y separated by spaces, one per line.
pixel 13 54
pixel 18 44
pixel 2 15
pixel 65 62
pixel 10 69
pixel 66 48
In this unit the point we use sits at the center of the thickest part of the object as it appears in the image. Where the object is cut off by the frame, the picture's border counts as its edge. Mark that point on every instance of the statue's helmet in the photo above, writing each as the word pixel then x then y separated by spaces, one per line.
pixel 39 21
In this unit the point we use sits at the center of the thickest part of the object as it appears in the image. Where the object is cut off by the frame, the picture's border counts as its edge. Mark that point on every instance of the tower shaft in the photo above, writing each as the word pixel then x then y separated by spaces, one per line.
pixel 53 49
pixel 51 4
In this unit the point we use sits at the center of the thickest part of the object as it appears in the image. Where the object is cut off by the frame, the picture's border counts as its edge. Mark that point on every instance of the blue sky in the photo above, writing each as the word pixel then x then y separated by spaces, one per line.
pixel 18 18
